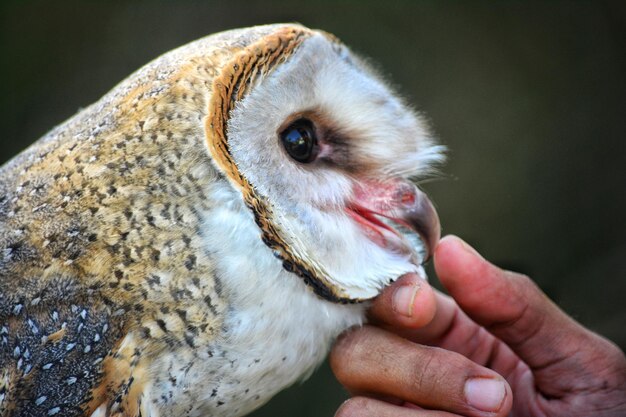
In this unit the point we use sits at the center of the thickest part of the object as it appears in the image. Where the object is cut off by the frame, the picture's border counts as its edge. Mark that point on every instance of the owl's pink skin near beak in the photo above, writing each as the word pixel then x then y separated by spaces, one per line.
pixel 403 203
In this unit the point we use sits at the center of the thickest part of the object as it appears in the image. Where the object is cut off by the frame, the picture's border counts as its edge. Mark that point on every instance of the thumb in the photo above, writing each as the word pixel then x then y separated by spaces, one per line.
pixel 515 310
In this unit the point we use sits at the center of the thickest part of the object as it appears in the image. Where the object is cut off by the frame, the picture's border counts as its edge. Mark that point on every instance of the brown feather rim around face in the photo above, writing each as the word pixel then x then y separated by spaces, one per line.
pixel 230 86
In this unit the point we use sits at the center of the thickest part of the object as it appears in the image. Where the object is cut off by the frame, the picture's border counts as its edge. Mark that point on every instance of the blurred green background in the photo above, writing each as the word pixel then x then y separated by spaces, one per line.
pixel 530 98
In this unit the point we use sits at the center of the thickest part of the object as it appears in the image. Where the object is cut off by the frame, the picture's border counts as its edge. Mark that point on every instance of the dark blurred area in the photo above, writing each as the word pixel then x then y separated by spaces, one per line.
pixel 530 98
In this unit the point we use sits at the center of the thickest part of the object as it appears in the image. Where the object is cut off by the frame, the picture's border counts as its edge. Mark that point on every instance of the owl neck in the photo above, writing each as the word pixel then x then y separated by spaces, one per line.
pixel 276 330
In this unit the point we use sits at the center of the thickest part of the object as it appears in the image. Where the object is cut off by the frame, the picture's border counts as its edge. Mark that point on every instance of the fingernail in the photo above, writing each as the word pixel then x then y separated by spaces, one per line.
pixel 485 394
pixel 470 249
pixel 403 299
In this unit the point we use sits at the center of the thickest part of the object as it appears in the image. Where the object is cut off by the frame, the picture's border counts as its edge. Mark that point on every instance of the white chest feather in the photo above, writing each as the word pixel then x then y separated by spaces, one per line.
pixel 276 330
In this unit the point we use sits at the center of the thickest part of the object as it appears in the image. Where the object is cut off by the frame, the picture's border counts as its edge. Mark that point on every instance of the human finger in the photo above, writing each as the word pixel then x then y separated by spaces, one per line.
pixel 513 309
pixel 406 304
pixel 370 407
pixel 373 361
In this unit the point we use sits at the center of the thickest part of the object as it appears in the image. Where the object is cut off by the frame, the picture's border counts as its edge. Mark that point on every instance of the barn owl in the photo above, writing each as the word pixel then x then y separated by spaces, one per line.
pixel 192 243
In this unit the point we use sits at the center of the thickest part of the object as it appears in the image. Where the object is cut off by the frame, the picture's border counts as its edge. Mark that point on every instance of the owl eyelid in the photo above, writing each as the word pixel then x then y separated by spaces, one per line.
pixel 312 115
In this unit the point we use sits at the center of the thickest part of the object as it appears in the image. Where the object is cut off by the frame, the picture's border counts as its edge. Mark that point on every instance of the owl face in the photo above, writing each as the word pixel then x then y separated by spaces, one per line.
pixel 323 151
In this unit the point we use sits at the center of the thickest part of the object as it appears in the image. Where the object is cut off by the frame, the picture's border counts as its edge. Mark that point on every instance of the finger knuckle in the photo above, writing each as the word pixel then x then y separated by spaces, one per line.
pixel 615 358
pixel 428 369
pixel 525 287
pixel 523 280
pixel 348 348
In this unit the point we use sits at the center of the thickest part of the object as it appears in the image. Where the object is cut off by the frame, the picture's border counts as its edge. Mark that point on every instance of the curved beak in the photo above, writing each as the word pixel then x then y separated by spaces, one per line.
pixel 415 210
pixel 401 202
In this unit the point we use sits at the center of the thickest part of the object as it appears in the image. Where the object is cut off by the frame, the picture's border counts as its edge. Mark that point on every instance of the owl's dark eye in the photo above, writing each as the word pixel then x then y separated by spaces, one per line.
pixel 300 141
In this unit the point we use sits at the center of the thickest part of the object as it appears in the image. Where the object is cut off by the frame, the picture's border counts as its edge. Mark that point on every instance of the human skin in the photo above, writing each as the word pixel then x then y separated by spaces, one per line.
pixel 497 346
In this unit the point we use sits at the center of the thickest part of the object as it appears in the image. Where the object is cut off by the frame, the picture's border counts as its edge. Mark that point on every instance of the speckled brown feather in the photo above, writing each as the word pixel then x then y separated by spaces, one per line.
pixel 101 261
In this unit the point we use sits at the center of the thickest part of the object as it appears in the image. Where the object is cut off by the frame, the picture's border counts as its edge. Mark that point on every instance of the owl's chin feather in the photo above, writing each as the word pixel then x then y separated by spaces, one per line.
pixel 355 254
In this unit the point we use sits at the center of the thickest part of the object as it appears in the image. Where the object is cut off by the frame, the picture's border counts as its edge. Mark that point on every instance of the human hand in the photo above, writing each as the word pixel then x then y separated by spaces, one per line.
pixel 497 347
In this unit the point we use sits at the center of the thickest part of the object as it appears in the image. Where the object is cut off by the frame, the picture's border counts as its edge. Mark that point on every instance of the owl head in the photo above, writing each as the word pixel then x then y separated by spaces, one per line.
pixel 324 154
